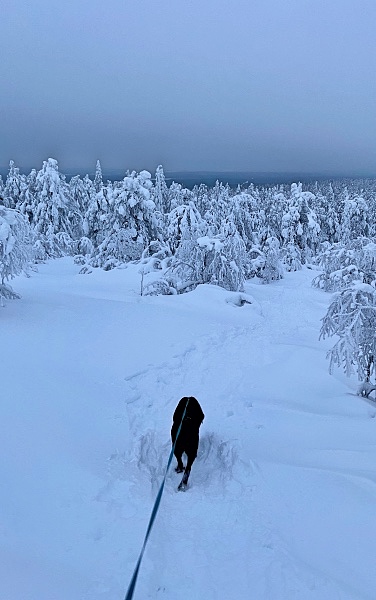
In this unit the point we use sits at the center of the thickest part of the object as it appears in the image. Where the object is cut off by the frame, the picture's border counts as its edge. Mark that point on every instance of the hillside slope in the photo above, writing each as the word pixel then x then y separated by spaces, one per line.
pixel 282 496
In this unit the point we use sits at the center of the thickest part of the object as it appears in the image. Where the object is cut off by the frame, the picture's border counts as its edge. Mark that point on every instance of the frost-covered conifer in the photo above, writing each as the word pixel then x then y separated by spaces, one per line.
pixel 355 217
pixel 343 264
pixel 179 195
pixel 161 195
pixel 222 258
pixel 231 274
pixel 299 229
pixel 55 211
pixel 15 248
pixel 96 216
pixel 272 268
pixel 79 192
pixel 14 186
pixel 218 260
pixel 326 210
pixel 98 180
pixel 131 221
pixel 215 207
pixel 184 224
pixel 201 199
pixel 291 257
pixel 352 317
pixel 274 203
pixel 248 217
pixel 27 202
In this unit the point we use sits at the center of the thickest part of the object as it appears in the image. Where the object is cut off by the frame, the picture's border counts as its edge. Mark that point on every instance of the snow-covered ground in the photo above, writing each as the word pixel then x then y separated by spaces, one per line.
pixel 282 497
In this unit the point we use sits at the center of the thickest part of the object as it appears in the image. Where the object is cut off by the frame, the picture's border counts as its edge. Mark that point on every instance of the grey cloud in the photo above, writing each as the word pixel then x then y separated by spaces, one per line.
pixel 262 86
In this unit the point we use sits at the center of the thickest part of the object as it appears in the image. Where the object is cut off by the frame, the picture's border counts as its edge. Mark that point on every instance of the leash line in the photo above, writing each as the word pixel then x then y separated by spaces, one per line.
pixel 132 585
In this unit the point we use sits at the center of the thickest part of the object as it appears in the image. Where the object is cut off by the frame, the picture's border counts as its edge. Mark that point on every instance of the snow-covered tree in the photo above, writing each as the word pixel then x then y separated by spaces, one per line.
pixel 131 221
pixel 291 257
pixel 14 185
pixel 27 202
pixel 218 260
pixel 344 264
pixel 326 209
pixel 201 199
pixel 197 257
pixel 272 267
pixel 230 272
pixel 161 195
pixel 213 205
pixel 96 222
pixel 98 179
pixel 274 203
pixel 55 210
pixel 15 248
pixel 352 317
pixel 184 224
pixel 300 228
pixel 355 217
pixel 79 192
pixel 179 195
pixel 248 217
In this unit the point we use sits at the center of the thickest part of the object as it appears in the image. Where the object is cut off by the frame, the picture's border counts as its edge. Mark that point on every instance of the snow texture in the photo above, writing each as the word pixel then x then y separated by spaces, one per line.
pixel 281 499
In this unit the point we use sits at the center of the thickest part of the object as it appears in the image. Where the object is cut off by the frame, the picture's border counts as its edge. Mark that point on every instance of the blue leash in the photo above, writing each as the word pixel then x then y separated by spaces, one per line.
pixel 132 585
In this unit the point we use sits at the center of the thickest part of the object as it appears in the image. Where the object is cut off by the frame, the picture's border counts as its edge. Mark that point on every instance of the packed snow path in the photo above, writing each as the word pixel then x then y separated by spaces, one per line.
pixel 282 496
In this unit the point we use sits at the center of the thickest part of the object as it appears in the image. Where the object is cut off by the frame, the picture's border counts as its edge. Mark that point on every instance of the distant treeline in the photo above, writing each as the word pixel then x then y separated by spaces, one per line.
pixel 189 179
pixel 182 237
pixel 218 234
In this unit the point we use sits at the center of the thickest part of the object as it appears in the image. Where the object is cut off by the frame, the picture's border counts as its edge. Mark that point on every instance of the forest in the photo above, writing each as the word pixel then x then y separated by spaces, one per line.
pixel 208 235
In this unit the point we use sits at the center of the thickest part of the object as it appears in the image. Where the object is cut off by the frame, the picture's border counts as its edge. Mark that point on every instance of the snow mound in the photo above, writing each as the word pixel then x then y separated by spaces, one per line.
pixel 240 299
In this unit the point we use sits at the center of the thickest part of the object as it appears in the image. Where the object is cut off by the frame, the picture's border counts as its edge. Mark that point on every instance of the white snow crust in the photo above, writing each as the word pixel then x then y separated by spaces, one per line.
pixel 281 499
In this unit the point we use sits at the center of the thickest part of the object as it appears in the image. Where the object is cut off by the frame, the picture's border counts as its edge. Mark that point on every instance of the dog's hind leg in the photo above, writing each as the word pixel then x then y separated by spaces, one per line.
pixel 191 453
pixel 178 455
pixel 184 482
pixel 187 470
pixel 178 450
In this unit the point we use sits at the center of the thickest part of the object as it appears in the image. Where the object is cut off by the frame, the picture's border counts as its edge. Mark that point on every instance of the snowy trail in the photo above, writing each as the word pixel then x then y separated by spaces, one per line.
pixel 244 392
pixel 281 498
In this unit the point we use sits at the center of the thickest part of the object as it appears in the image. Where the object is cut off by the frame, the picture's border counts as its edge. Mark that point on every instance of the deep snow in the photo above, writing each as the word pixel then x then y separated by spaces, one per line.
pixel 282 497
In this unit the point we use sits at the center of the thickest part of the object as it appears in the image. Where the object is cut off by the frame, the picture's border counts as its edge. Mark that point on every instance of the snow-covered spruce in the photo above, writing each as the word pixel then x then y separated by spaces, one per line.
pixel 281 227
pixel 219 260
pixel 16 249
pixel 126 221
pixel 346 262
pixel 352 317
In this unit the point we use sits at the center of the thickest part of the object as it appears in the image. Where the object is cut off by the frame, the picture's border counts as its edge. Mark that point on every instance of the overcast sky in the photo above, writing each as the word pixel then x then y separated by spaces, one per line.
pixel 240 85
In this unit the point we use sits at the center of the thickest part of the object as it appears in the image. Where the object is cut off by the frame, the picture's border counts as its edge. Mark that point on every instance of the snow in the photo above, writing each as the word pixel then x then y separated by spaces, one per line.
pixel 363 287
pixel 281 499
pixel 4 230
pixel 210 243
pixel 144 175
pixel 7 240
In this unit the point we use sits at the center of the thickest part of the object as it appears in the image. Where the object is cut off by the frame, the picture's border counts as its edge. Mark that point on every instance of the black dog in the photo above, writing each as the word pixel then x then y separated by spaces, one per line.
pixel 189 414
